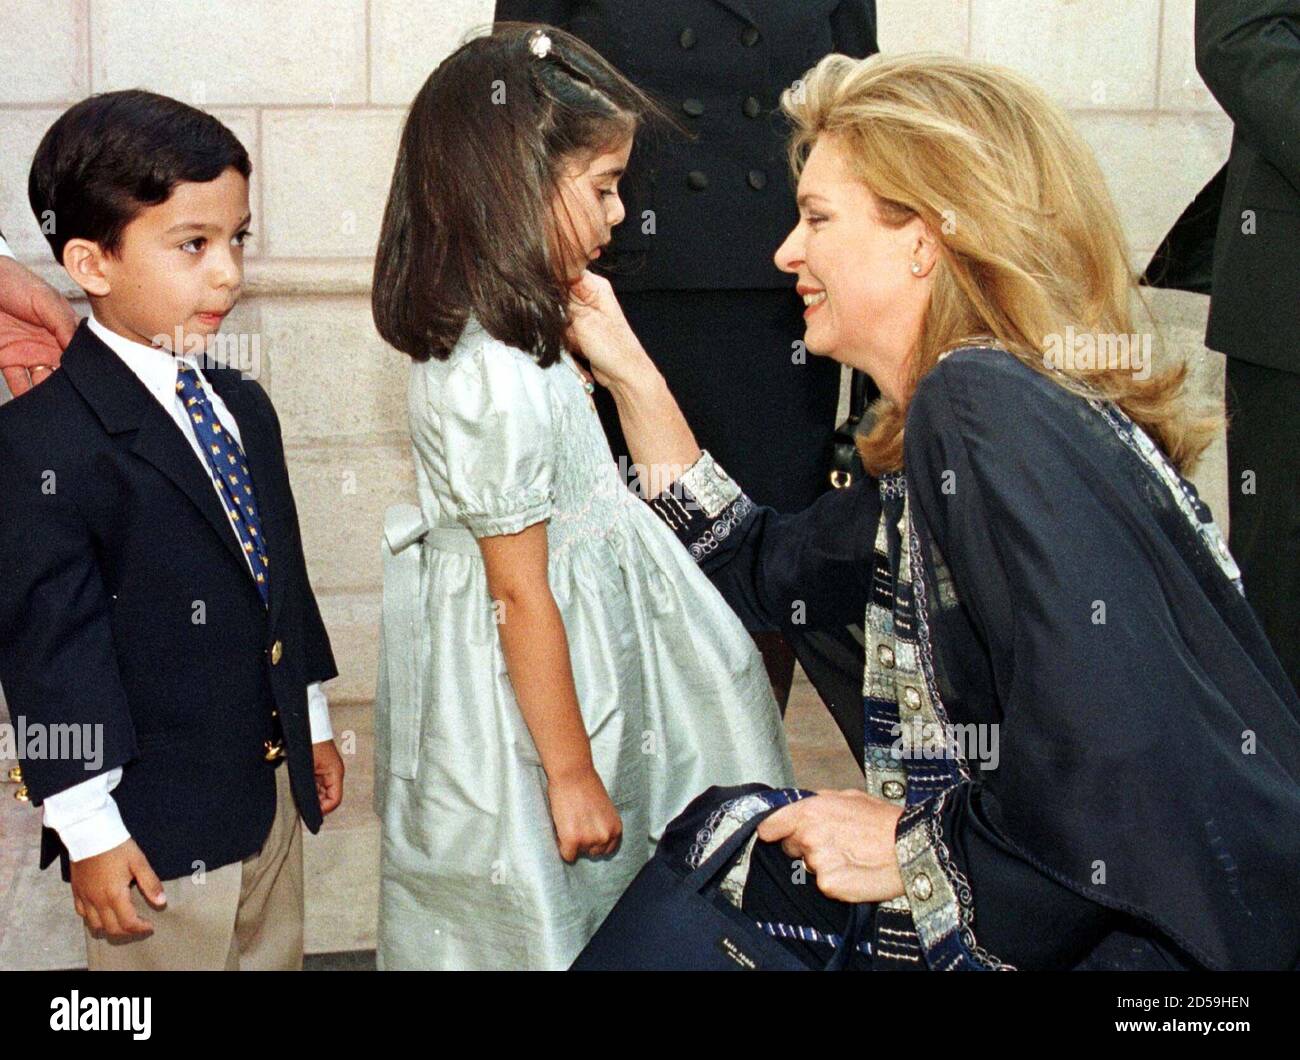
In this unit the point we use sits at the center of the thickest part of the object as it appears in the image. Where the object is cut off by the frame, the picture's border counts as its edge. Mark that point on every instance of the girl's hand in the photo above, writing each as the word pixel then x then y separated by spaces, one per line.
pixel 586 822
pixel 846 840
pixel 600 332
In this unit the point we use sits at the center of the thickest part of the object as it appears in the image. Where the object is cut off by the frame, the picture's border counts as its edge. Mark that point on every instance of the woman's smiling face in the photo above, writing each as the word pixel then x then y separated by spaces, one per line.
pixel 865 302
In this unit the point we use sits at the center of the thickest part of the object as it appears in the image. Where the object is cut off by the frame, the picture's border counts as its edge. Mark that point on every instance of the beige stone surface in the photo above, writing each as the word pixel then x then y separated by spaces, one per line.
pixel 342 492
pixel 352 620
pixel 408 38
pixel 43 51
pixel 326 177
pixel 335 378
pixel 1155 165
pixel 935 26
pixel 207 52
pixel 20 133
pixel 1181 86
pixel 1086 53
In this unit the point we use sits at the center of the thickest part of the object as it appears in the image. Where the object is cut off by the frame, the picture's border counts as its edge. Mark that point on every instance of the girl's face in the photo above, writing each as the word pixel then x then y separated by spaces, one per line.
pixel 587 207
pixel 866 284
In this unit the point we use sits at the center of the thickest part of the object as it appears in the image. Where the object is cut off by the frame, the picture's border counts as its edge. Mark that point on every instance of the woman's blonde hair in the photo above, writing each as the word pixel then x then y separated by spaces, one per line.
pixel 1031 248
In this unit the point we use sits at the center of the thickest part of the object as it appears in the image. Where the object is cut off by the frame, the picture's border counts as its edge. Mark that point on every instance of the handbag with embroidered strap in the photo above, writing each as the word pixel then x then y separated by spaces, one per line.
pixel 670 921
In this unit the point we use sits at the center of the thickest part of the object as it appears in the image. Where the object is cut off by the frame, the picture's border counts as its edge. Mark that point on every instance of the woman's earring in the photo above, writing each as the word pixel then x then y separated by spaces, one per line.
pixel 916 268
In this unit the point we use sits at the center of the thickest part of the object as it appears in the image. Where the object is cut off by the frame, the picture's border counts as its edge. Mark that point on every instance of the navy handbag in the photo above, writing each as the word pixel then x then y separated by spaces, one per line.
pixel 667 921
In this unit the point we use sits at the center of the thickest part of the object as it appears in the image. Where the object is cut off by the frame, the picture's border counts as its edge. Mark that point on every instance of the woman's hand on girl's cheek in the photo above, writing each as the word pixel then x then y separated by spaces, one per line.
pixel 846 840
pixel 599 330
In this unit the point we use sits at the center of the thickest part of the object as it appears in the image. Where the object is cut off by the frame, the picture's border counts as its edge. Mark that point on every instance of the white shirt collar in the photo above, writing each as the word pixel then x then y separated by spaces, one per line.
pixel 154 367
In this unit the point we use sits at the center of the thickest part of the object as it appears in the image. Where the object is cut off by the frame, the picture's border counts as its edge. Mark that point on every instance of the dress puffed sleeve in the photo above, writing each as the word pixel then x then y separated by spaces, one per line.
pixel 1148 773
pixel 498 431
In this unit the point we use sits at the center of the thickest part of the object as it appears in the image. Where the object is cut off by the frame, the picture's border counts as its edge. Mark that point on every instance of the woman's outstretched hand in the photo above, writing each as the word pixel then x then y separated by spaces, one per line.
pixel 659 439
pixel 846 840
pixel 600 332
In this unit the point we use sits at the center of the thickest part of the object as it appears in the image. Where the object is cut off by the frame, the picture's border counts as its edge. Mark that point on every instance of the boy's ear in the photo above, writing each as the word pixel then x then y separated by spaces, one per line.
pixel 84 260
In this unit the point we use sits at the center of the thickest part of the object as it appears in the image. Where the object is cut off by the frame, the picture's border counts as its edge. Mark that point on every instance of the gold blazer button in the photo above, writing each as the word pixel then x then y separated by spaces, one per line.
pixel 277 650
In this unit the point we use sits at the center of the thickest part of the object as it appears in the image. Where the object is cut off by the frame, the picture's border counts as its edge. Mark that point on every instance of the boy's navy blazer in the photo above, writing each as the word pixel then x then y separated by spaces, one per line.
pixel 126 603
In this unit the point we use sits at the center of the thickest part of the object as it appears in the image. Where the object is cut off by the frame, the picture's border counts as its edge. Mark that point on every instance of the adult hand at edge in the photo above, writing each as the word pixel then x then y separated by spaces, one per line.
pixel 36 323
pixel 845 839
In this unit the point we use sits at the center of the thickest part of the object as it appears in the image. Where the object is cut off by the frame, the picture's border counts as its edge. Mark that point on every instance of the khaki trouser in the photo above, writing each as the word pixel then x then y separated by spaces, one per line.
pixel 247 915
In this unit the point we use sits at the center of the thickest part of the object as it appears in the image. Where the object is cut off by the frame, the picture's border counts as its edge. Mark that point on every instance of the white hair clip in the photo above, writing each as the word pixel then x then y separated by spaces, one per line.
pixel 540 45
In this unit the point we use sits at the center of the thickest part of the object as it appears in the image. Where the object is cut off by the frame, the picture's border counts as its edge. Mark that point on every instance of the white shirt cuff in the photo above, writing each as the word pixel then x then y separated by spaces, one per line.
pixel 5 252
pixel 318 714
pixel 86 816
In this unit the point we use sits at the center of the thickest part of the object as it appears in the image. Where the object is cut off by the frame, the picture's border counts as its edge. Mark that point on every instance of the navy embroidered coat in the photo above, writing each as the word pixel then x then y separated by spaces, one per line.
pixel 1131 796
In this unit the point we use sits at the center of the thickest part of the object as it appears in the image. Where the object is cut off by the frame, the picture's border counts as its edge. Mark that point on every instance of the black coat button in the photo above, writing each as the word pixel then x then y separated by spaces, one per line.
pixel 752 107
pixel 693 107
pixel 697 180
pixel 750 36
pixel 687 39
pixel 757 179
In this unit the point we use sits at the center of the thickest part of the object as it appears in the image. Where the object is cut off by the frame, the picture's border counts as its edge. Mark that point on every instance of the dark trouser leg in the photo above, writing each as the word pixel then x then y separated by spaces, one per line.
pixel 778 657
pixel 728 357
pixel 1264 499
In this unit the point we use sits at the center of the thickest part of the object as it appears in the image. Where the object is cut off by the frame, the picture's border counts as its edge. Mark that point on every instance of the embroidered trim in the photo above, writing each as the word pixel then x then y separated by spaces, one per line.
pixel 713 537
pixel 893 484
pixel 807 934
pixel 703 506
pixel 710 486
pixel 722 823
pixel 938 893
pixel 908 756
pixel 915 560
pixel 1195 510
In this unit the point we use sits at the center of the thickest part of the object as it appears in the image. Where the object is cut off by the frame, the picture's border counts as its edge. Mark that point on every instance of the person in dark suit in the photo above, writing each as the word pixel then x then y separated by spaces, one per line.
pixel 693 264
pixel 1248 53
pixel 161 650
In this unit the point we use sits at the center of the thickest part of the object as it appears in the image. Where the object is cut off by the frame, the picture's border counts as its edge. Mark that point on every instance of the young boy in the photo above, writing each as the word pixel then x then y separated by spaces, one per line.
pixel 155 609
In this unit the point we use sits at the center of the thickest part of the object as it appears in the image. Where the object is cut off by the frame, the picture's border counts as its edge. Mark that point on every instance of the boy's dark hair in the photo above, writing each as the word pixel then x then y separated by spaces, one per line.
pixel 469 221
pixel 111 155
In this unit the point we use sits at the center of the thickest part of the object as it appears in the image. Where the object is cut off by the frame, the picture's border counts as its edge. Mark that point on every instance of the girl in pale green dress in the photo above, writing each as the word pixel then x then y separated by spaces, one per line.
pixel 558 679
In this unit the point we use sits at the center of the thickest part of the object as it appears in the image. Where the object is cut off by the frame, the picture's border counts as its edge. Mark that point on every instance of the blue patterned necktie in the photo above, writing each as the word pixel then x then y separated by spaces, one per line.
pixel 229 471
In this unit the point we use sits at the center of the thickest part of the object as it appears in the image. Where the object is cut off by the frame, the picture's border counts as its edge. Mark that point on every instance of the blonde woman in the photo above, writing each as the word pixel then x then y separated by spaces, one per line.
pixel 1079 749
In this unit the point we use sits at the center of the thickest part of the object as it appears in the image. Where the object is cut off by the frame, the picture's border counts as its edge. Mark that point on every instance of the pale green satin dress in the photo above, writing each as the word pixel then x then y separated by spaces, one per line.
pixel 674 695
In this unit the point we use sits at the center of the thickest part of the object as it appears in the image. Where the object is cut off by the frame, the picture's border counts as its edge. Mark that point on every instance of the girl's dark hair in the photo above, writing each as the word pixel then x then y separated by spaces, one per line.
pixel 469 223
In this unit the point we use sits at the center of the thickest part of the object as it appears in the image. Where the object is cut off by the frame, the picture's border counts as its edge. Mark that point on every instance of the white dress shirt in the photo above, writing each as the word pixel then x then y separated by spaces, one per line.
pixel 5 252
pixel 85 815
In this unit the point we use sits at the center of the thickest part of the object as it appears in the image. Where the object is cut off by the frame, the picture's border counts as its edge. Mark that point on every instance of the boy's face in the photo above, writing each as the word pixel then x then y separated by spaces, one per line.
pixel 180 265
